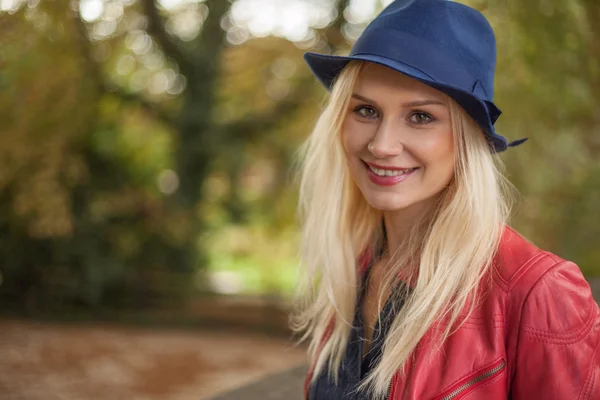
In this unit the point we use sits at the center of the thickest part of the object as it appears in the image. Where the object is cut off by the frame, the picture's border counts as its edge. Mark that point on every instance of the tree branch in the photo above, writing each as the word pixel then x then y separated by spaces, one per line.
pixel 85 46
pixel 250 128
pixel 333 33
pixel 147 106
pixel 100 83
pixel 212 39
pixel 170 45
pixel 339 20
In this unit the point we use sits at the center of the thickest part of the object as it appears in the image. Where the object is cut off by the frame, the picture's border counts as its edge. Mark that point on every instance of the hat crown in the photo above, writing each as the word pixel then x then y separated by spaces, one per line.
pixel 444 44
pixel 458 31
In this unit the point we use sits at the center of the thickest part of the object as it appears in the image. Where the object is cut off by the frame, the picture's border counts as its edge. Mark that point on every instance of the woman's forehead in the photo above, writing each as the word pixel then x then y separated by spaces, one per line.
pixel 380 80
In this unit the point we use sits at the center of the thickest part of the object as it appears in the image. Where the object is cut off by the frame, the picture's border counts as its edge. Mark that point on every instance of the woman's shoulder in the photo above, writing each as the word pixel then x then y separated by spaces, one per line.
pixel 549 293
pixel 518 258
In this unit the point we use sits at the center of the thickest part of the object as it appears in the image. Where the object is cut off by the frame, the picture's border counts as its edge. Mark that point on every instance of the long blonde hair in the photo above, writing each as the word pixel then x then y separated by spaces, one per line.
pixel 446 256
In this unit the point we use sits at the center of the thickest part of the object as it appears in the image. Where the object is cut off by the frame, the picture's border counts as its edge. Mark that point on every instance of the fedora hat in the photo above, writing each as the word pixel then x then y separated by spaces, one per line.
pixel 444 44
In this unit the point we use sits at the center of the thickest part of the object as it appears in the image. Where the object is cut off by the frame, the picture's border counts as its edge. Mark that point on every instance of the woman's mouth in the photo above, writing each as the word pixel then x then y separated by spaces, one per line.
pixel 388 176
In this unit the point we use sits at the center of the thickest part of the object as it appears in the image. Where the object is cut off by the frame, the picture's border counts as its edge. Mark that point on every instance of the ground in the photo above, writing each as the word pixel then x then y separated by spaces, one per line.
pixel 44 361
pixel 56 361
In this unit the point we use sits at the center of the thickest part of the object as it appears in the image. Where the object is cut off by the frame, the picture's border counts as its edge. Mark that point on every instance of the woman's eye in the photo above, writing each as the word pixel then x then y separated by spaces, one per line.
pixel 420 117
pixel 366 112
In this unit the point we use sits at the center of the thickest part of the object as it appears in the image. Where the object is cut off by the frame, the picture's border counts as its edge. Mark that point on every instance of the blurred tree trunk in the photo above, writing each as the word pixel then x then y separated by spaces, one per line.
pixel 199 135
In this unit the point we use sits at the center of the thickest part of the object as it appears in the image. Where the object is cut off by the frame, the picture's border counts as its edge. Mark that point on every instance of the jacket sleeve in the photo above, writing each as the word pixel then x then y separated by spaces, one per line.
pixel 558 347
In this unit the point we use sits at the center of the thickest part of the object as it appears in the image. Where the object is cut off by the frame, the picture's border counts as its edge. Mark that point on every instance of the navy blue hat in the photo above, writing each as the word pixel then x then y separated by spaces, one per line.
pixel 446 45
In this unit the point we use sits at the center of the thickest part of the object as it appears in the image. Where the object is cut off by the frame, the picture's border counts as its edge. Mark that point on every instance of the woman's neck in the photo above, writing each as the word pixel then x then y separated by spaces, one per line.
pixel 399 224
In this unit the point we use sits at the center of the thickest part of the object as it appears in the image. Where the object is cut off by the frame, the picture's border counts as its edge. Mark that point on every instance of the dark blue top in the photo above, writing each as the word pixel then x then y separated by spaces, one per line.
pixel 353 368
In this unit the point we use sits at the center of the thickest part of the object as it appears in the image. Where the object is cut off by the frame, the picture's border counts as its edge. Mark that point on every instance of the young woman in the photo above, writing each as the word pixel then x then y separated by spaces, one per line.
pixel 416 287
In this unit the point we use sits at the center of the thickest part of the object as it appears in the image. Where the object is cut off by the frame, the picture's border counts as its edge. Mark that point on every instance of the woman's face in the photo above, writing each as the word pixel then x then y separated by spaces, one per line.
pixel 397 137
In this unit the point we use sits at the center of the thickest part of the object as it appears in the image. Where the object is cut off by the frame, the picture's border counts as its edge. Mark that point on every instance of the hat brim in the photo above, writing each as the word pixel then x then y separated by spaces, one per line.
pixel 327 67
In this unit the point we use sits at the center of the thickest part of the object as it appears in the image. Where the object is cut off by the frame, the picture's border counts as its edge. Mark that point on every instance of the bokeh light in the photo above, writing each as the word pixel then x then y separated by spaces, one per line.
pixel 91 10
pixel 168 181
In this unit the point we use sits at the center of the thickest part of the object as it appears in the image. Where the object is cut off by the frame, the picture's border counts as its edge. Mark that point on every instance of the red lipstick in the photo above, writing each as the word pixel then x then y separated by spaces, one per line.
pixel 388 180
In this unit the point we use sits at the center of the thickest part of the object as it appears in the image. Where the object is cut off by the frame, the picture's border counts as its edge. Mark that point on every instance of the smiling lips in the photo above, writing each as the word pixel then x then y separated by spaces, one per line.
pixel 387 176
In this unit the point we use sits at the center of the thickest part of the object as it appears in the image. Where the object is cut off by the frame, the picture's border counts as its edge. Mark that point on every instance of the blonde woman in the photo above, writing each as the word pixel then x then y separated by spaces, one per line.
pixel 416 287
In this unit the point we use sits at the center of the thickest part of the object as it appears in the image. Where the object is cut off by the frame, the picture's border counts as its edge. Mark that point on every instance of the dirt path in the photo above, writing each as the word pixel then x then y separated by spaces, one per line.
pixel 50 362
pixel 99 362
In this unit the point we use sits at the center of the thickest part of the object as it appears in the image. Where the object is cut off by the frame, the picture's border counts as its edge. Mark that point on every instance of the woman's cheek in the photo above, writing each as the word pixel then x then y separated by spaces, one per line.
pixel 348 137
pixel 356 136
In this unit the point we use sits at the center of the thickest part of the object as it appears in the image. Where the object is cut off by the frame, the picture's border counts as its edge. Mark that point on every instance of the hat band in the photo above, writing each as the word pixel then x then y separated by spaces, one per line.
pixel 418 53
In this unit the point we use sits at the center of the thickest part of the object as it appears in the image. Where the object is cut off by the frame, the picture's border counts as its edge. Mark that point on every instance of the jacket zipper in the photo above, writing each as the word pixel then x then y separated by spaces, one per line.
pixel 477 379
pixel 389 395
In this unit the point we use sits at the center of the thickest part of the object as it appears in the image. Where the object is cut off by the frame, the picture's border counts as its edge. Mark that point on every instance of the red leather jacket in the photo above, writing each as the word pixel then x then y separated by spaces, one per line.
pixel 536 335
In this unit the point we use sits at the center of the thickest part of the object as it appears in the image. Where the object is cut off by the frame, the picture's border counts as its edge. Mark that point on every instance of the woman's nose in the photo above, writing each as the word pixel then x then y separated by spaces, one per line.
pixel 387 140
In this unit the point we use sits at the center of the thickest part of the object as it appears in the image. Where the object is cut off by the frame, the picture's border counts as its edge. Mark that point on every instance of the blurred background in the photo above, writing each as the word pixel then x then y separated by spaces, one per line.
pixel 147 208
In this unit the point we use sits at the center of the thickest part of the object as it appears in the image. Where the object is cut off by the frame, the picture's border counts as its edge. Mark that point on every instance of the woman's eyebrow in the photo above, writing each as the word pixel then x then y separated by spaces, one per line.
pixel 363 98
pixel 410 104
pixel 421 103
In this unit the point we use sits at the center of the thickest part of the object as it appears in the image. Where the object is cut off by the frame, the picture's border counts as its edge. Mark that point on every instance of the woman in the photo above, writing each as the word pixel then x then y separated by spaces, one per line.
pixel 416 288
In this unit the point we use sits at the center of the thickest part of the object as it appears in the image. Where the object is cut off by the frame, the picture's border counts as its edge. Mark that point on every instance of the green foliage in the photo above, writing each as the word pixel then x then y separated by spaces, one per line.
pixel 548 85
pixel 135 165
pixel 81 218
pixel 253 259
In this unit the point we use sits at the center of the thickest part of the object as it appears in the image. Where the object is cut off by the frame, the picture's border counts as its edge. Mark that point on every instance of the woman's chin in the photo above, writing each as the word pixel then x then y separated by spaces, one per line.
pixel 383 204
